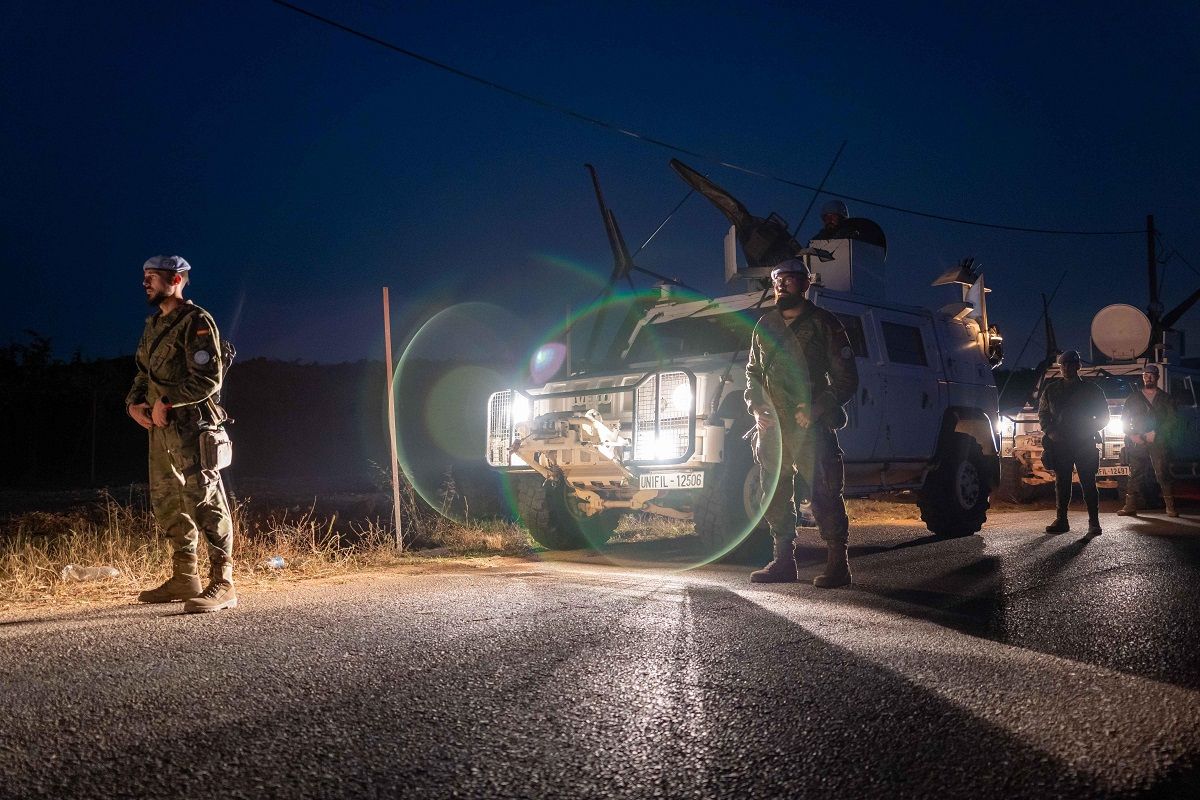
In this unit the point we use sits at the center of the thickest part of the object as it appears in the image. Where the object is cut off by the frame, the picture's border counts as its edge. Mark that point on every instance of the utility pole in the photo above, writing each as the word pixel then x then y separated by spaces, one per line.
pixel 93 448
pixel 1154 309
pixel 391 413
pixel 1152 270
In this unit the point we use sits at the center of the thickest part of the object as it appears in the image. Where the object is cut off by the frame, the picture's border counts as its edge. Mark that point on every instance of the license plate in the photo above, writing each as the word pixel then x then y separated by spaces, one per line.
pixel 671 480
pixel 1113 471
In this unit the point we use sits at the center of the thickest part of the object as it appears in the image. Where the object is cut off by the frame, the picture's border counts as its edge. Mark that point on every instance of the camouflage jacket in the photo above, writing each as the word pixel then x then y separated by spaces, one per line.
pixel 808 361
pixel 185 367
pixel 1142 416
pixel 1073 410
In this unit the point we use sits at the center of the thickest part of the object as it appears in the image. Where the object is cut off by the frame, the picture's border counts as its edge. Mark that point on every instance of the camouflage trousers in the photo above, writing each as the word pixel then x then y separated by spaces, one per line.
pixel 1082 456
pixel 1146 460
pixel 186 499
pixel 811 463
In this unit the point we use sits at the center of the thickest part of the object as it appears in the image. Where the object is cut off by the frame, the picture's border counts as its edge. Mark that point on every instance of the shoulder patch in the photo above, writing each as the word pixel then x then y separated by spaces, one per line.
pixel 202 357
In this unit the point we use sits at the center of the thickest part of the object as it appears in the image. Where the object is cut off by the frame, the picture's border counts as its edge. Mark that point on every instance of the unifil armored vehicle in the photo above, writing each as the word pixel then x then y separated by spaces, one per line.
pixel 657 424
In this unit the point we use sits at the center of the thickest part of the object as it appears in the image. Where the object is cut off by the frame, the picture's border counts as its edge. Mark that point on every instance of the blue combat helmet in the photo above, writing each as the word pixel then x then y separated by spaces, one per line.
pixel 167 263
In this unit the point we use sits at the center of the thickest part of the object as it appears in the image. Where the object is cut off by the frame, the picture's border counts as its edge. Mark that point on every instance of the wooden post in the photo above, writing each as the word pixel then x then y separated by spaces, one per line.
pixel 391 413
pixel 1158 336
pixel 93 470
pixel 1152 271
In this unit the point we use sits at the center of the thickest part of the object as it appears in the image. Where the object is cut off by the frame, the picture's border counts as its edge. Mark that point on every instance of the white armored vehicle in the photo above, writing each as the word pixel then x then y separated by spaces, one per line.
pixel 1124 341
pixel 657 426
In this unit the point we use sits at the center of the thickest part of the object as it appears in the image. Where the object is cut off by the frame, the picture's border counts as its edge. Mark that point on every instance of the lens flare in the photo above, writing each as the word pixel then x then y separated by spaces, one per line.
pixel 547 360
pixel 440 387
pixel 729 510
pixel 441 399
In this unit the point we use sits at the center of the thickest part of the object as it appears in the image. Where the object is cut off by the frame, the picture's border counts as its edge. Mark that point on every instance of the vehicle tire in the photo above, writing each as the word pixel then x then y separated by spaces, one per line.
pixel 731 499
pixel 954 499
pixel 554 519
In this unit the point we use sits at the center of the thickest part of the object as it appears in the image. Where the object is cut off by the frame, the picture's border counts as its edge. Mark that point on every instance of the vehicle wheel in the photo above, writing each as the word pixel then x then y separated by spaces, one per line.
pixel 554 519
pixel 954 499
pixel 732 498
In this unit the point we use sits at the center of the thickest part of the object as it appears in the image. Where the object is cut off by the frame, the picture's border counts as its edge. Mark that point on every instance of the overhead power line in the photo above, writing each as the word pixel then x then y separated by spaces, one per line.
pixel 600 123
pixel 1168 254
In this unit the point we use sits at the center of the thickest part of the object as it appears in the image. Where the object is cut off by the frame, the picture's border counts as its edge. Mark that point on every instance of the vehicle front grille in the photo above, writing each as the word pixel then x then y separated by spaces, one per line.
pixel 664 420
pixel 499 427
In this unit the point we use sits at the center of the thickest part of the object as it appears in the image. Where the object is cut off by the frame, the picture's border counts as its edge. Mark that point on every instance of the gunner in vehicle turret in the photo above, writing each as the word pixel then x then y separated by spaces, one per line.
pixel 833 218
pixel 800 373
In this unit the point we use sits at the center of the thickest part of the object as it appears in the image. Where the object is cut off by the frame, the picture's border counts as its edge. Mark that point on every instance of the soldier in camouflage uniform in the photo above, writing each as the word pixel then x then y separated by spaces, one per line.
pixel 801 372
pixel 1072 412
pixel 179 363
pixel 1148 418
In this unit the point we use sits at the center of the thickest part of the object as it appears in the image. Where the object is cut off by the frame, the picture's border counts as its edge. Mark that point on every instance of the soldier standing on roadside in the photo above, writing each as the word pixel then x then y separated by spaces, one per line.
pixel 801 372
pixel 1147 417
pixel 1072 411
pixel 179 363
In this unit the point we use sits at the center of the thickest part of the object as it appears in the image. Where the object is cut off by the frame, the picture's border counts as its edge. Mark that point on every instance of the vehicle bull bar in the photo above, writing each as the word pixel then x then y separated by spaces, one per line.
pixel 663 417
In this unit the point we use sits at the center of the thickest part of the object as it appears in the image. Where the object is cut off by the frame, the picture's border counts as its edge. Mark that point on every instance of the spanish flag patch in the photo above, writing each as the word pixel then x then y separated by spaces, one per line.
pixel 202 331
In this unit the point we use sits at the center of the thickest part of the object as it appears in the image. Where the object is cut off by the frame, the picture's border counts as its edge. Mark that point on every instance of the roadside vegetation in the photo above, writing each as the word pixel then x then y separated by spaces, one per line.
pixel 36 546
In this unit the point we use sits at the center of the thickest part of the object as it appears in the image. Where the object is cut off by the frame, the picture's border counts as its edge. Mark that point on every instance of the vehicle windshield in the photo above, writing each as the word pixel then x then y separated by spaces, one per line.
pixel 694 336
pixel 1115 387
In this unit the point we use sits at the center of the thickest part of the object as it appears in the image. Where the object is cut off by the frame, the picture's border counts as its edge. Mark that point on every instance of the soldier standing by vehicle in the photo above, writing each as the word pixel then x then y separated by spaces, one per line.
pixel 179 361
pixel 1147 417
pixel 1072 411
pixel 801 371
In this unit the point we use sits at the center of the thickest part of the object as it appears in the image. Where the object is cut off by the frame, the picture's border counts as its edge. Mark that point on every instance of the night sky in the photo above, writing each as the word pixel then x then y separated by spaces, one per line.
pixel 299 169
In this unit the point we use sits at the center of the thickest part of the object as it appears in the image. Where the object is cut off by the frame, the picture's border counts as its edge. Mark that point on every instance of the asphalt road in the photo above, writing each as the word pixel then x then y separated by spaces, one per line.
pixel 1009 664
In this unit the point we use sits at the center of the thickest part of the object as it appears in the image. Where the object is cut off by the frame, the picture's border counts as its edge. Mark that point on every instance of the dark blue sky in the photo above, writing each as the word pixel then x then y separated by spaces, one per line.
pixel 299 169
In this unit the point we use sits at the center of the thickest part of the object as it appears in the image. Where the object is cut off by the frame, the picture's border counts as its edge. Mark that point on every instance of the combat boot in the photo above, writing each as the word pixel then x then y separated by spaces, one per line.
pixel 1093 509
pixel 217 595
pixel 1170 503
pixel 1060 525
pixel 1130 508
pixel 184 583
pixel 782 568
pixel 837 567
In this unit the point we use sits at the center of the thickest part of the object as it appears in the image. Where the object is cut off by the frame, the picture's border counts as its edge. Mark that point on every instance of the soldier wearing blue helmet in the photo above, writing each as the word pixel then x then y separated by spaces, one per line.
pixel 174 397
pixel 800 373
pixel 1072 412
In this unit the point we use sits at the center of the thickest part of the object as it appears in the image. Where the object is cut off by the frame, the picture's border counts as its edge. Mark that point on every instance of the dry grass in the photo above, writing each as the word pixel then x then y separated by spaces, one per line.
pixel 34 548
pixel 646 527
pixel 892 508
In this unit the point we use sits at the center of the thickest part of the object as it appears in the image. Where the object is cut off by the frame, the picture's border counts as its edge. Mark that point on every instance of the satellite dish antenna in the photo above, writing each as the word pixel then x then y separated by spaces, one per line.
pixel 765 242
pixel 1121 331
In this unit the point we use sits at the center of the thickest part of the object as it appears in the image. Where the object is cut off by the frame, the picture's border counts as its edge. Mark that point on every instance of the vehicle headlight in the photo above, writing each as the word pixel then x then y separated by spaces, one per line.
pixel 680 399
pixel 508 412
pixel 667 446
pixel 664 416
pixel 1006 427
pixel 1115 427
pixel 521 408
